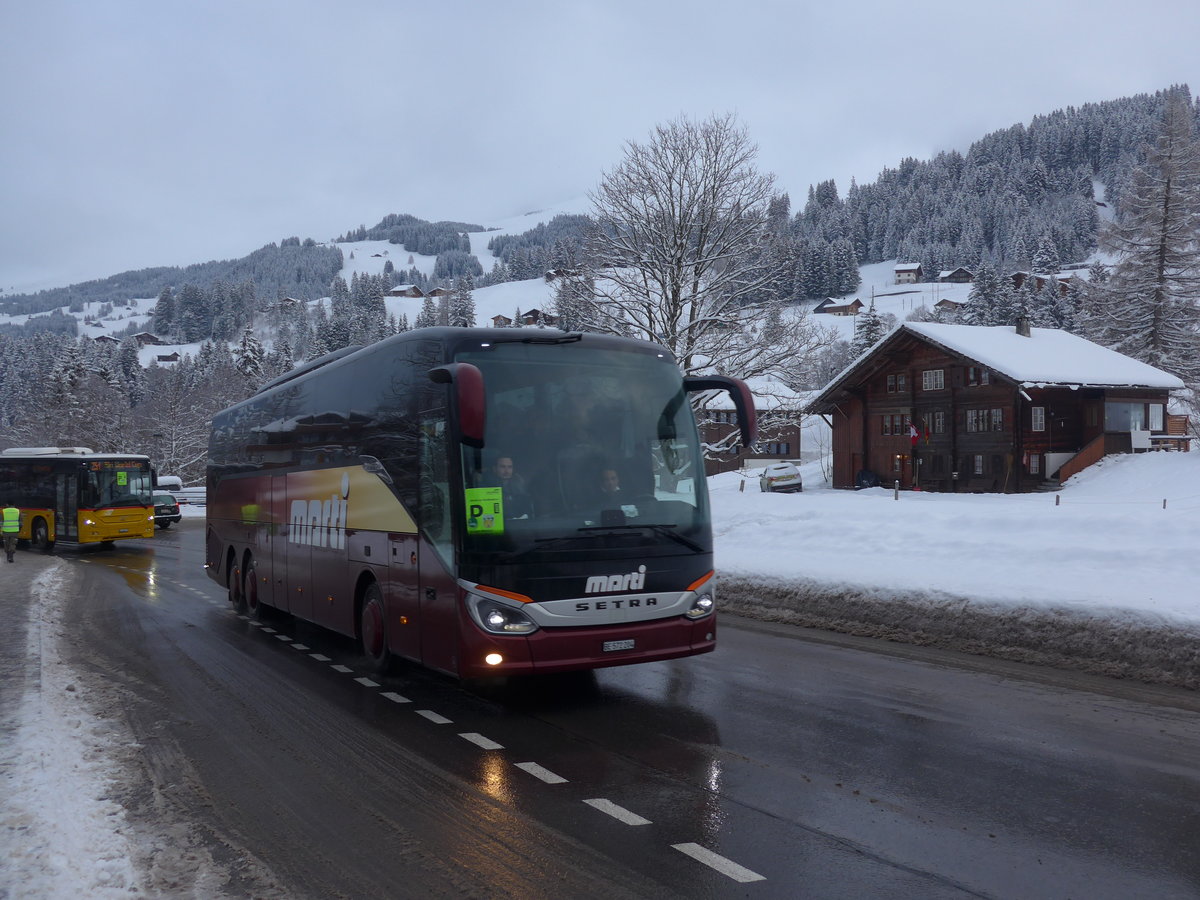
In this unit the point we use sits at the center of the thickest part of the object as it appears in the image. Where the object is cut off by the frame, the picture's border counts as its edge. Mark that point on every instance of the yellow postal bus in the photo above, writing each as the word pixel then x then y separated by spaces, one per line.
pixel 72 494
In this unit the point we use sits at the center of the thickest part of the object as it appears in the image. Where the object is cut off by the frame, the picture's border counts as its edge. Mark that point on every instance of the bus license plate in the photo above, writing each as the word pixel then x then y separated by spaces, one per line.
pixel 618 645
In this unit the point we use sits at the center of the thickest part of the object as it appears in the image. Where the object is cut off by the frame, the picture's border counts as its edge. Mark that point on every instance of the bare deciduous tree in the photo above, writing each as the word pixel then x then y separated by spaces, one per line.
pixel 678 251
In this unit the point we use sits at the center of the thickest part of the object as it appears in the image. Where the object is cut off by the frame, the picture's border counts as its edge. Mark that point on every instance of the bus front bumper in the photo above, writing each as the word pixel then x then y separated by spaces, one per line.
pixel 571 649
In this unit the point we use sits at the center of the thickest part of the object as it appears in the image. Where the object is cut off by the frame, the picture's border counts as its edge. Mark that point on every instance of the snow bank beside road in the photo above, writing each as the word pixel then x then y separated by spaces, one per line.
pixel 1106 580
pixel 65 837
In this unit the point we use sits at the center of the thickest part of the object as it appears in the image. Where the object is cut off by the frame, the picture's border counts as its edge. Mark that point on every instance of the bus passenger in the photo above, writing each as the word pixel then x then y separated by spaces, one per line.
pixel 610 485
pixel 516 498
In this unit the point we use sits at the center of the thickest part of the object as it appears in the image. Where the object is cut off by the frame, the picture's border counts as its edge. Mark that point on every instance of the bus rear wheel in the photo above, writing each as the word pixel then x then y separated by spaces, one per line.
pixel 40 536
pixel 372 628
pixel 254 608
pixel 233 583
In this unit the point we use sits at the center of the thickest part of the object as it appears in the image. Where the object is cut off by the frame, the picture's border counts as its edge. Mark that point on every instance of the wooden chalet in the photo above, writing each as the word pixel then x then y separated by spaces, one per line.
pixel 834 307
pixel 968 408
pixel 779 426
pixel 405 290
pixel 1039 281
pixel 956 276
pixel 908 273
pixel 949 305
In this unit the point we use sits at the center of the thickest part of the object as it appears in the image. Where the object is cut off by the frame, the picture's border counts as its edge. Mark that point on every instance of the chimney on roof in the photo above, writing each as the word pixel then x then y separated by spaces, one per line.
pixel 1023 326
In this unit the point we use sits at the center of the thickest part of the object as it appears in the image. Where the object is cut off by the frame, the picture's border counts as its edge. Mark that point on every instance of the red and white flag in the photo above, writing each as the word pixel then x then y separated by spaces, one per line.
pixel 912 433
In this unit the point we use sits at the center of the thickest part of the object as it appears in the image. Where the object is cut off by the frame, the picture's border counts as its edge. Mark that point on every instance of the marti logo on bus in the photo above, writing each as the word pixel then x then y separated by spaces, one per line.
pixel 321 523
pixel 605 584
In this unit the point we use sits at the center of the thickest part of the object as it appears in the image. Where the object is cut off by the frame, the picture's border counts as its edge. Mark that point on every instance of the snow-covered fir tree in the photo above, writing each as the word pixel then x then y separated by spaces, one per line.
pixel 462 302
pixel 1151 305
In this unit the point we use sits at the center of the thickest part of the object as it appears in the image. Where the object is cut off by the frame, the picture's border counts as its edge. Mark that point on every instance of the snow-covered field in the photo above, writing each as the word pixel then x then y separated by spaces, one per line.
pixel 1104 545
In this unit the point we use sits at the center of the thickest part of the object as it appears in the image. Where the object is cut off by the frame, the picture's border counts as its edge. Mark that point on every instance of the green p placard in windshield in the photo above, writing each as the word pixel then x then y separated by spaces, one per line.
pixel 123 479
pixel 485 510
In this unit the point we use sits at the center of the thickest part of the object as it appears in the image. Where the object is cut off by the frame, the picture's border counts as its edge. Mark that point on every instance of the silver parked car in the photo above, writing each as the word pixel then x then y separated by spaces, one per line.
pixel 782 477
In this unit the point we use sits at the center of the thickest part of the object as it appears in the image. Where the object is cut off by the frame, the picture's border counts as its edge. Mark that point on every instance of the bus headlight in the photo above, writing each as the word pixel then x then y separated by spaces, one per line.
pixel 702 606
pixel 497 618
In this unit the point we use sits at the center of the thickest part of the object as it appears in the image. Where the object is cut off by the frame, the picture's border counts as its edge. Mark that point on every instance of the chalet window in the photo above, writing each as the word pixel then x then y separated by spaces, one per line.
pixel 1035 463
pixel 933 379
pixel 887 424
pixel 1038 421
pixel 997 420
pixel 776 448
pixel 977 419
pixel 939 421
pixel 978 469
pixel 977 375
pixel 891 384
pixel 1156 417
pixel 1124 416
pixel 902 382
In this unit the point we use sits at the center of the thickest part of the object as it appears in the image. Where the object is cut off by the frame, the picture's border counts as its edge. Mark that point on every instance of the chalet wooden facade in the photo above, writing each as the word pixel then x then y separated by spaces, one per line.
pixel 908 273
pixel 962 408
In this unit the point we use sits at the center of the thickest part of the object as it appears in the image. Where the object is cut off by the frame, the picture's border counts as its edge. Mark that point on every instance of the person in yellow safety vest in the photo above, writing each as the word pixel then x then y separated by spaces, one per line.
pixel 12 525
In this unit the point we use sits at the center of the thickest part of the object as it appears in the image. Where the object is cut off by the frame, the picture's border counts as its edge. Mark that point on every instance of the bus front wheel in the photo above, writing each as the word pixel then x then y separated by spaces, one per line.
pixel 40 536
pixel 373 629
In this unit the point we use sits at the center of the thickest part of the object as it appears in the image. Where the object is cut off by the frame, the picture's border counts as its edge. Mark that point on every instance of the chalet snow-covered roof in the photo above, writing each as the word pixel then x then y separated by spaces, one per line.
pixel 1049 357
pixel 907 267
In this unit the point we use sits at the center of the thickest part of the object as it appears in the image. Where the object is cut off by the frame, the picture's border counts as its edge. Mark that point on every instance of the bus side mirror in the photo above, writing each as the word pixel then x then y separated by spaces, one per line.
pixel 468 398
pixel 743 401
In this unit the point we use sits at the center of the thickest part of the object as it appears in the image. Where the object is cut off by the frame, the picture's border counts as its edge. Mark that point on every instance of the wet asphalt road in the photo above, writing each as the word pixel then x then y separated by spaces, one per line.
pixel 788 763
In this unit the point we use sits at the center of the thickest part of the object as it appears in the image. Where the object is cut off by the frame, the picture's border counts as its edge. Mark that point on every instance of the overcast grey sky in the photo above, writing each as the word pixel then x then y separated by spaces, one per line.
pixel 156 132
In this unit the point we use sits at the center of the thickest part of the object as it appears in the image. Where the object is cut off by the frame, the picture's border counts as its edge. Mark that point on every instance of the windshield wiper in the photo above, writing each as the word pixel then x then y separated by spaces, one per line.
pixel 664 529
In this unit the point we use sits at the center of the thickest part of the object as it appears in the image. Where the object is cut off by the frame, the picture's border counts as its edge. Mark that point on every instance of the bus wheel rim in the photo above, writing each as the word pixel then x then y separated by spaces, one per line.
pixel 372 628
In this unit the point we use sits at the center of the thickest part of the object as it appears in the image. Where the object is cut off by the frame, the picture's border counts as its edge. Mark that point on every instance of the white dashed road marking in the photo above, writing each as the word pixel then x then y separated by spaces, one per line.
pixel 433 717
pixel 367 682
pixel 283 637
pixel 721 864
pixel 480 741
pixel 396 698
pixel 319 658
pixel 345 670
pixel 538 772
pixel 620 813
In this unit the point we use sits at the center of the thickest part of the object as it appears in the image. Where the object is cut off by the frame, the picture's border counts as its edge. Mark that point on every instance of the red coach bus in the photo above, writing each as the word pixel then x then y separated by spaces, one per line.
pixel 480 501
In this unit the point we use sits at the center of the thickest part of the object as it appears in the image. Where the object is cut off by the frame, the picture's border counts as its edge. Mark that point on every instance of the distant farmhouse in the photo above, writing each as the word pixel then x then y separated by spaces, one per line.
pixel 968 408
pixel 833 307
pixel 405 290
pixel 908 273
pixel 956 276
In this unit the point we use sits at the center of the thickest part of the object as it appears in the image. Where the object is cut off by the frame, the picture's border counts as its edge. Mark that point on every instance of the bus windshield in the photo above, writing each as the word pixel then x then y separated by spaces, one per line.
pixel 114 483
pixel 586 448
